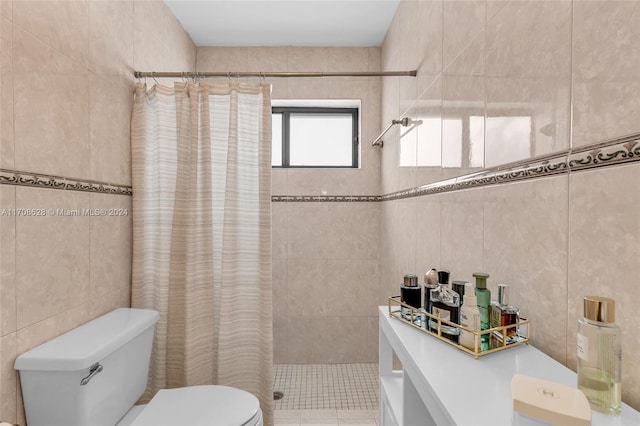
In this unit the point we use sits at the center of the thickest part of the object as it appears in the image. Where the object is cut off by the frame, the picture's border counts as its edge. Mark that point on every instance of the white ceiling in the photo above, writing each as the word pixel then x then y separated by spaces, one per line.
pixel 285 23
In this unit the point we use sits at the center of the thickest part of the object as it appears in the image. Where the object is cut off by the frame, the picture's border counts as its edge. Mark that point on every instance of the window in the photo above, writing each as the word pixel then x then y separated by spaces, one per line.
pixel 314 137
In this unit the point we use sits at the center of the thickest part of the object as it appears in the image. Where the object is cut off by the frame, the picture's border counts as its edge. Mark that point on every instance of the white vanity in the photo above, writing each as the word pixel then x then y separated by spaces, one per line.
pixel 441 385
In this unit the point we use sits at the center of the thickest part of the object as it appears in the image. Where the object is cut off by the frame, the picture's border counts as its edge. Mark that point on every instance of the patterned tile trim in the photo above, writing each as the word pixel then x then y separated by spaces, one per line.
pixel 626 150
pixel 610 153
pixel 325 198
pixel 15 177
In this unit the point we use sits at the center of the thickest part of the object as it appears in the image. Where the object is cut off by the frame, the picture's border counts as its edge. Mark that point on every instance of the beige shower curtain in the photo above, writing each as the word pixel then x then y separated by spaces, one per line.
pixel 201 160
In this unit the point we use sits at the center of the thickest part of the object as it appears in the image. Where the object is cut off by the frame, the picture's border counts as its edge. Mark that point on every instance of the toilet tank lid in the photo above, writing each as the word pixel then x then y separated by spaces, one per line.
pixel 91 342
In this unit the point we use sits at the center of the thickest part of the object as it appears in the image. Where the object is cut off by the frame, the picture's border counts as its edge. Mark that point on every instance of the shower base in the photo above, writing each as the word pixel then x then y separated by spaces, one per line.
pixel 326 386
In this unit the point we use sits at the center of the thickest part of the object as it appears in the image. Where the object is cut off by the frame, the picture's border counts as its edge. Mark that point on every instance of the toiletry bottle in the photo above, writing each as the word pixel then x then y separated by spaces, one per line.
pixel 483 296
pixel 469 317
pixel 459 287
pixel 430 283
pixel 410 293
pixel 503 314
pixel 599 355
pixel 445 304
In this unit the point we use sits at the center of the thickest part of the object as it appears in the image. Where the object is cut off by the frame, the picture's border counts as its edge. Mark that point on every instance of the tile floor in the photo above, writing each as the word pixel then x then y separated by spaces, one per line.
pixel 326 417
pixel 331 389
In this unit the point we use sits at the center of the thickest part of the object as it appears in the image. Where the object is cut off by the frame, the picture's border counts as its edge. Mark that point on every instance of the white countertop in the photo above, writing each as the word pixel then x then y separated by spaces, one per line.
pixel 475 392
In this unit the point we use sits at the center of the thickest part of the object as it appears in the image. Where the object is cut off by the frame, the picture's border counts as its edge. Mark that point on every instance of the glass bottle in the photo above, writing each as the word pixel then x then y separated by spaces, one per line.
pixel 502 313
pixel 410 293
pixel 445 304
pixel 600 355
pixel 430 283
pixel 483 296
pixel 459 287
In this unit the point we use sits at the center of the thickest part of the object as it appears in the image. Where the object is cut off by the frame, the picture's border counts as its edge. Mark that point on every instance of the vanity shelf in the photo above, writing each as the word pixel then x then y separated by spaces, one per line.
pixel 440 385
pixel 419 315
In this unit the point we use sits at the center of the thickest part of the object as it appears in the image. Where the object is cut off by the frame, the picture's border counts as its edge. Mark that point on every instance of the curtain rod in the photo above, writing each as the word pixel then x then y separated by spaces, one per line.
pixel 152 74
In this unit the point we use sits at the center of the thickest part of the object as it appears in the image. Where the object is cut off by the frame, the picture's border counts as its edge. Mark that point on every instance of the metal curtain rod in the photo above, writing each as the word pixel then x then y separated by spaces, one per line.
pixel 152 74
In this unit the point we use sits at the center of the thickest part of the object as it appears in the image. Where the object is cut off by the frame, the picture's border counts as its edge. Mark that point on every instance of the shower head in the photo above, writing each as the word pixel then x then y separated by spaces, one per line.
pixel 404 121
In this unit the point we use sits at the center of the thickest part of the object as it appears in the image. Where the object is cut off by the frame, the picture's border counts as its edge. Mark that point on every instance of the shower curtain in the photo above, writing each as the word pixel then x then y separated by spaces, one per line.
pixel 201 172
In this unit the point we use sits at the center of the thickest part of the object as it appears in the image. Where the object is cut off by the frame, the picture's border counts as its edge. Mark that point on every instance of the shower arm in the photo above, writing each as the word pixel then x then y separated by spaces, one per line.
pixel 405 121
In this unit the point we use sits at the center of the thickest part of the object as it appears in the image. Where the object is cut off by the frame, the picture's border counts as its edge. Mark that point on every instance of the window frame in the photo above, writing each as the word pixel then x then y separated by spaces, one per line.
pixel 286 119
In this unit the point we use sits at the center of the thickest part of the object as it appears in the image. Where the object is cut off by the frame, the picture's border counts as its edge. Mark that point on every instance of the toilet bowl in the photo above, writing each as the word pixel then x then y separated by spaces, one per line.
pixel 94 374
pixel 197 405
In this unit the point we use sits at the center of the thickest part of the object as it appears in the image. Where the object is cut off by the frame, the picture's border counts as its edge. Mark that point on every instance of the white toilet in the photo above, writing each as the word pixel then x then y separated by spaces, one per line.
pixel 92 376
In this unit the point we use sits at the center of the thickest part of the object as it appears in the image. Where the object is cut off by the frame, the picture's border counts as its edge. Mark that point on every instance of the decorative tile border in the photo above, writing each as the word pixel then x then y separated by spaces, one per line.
pixel 19 178
pixel 610 153
pixel 325 198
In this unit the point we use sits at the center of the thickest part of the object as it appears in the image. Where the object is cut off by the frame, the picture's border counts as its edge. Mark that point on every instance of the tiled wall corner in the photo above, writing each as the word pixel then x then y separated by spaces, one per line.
pixel 70 65
pixel 570 67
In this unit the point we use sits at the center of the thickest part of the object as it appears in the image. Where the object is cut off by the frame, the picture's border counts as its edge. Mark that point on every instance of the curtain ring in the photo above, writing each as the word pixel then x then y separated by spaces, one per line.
pixel 263 78
pixel 153 75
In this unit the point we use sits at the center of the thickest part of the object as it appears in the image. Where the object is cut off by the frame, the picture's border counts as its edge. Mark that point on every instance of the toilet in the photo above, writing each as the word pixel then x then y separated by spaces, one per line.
pixel 94 374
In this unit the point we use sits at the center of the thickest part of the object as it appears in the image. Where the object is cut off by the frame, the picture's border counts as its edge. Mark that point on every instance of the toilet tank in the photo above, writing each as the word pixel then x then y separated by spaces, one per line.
pixel 91 375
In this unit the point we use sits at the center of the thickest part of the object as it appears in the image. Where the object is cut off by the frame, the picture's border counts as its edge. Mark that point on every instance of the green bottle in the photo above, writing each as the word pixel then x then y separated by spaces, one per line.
pixel 484 306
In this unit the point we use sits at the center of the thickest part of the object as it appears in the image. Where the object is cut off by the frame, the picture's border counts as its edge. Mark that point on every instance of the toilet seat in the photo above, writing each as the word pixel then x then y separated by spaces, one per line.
pixel 201 406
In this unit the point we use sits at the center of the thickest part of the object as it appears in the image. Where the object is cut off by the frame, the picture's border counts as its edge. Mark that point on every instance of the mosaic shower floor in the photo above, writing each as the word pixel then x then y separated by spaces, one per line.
pixel 330 387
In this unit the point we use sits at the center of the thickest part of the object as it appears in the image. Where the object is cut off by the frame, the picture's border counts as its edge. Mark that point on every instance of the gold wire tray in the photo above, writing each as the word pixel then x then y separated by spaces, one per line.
pixel 419 315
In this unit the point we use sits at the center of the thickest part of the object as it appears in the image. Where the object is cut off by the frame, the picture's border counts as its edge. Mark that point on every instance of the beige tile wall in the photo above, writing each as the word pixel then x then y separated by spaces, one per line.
pixel 553 240
pixel 66 90
pixel 325 255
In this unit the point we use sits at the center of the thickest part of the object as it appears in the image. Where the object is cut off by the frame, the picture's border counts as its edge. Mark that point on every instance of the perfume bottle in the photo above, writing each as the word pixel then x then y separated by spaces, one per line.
pixel 430 283
pixel 410 293
pixel 503 314
pixel 483 296
pixel 599 355
pixel 445 304
pixel 459 287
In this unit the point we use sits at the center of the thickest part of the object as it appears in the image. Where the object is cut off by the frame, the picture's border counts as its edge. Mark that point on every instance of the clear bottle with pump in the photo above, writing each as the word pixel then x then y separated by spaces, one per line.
pixel 469 317
pixel 445 304
pixel 600 355
pixel 483 296
pixel 502 313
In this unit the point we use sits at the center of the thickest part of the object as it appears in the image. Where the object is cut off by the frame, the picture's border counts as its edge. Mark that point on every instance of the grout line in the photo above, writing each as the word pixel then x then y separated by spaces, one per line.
pixel 569 173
